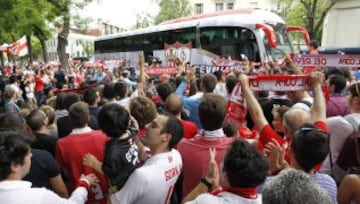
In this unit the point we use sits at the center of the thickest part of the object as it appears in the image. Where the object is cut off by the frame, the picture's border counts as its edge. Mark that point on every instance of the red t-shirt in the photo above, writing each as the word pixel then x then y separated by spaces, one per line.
pixel 195 156
pixel 267 133
pixel 69 155
pixel 39 84
pixel 190 129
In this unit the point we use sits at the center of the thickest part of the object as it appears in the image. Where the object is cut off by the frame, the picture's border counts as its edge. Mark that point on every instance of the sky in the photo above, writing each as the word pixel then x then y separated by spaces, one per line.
pixel 119 12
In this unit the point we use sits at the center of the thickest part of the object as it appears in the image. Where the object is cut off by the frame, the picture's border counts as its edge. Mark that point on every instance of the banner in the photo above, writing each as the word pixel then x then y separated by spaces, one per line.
pixel 114 63
pixel 327 60
pixel 161 70
pixel 93 64
pixel 177 50
pixel 119 59
pixel 200 69
pixel 204 69
pixel 227 63
pixel 280 82
pixel 20 47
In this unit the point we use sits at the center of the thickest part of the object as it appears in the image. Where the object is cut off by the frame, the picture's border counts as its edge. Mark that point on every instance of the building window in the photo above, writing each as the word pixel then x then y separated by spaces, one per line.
pixel 230 6
pixel 219 6
pixel 198 8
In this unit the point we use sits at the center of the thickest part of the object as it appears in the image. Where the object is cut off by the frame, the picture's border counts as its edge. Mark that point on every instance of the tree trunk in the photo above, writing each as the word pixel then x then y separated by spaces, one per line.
pixel 312 34
pixel 30 49
pixel 43 49
pixel 11 58
pixel 2 59
pixel 63 42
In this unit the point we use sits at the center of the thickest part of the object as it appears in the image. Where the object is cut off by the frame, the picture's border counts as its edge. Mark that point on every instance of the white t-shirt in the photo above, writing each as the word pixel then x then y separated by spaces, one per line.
pixel 30 92
pixel 153 182
pixel 220 89
pixel 124 102
pixel 224 198
pixel 339 129
pixel 19 192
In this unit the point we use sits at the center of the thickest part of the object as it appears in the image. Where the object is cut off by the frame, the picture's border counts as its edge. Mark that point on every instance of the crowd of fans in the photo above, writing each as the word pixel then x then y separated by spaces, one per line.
pixel 91 135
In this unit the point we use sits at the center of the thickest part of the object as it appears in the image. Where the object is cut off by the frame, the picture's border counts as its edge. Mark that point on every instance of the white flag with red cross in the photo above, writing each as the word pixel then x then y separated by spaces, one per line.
pixel 20 47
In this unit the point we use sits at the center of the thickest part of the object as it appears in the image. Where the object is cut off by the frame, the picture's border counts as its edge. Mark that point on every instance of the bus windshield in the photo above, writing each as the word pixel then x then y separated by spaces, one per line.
pixel 283 42
pixel 230 42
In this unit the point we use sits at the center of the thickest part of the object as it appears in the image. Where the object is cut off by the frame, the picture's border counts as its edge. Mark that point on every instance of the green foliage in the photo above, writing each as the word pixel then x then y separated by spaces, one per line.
pixel 24 17
pixel 81 23
pixel 143 20
pixel 89 49
pixel 170 9
pixel 36 48
pixel 307 13
pixel 17 18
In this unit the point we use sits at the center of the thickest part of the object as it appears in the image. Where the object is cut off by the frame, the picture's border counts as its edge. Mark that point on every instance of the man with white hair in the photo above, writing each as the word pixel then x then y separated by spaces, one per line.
pixel 296 187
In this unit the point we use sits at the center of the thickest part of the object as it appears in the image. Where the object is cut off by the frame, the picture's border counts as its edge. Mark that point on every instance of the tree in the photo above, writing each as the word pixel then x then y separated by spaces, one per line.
pixel 63 8
pixel 307 13
pixel 37 50
pixel 170 9
pixel 317 10
pixel 88 48
pixel 143 20
pixel 26 17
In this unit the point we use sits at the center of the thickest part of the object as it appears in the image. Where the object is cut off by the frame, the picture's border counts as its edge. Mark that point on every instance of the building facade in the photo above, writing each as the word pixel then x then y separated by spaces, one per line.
pixel 209 6
pixel 80 44
pixel 340 25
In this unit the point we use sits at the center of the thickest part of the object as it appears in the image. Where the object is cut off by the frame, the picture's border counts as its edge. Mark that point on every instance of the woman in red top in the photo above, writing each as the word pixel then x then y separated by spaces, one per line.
pixel 39 88
pixel 79 77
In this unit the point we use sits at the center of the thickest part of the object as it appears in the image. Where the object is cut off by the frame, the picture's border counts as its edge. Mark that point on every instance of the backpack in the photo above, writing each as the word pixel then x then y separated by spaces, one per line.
pixel 348 161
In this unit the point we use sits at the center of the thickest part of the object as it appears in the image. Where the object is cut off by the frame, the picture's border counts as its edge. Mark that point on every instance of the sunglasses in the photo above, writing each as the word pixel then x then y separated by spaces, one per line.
pixel 305 130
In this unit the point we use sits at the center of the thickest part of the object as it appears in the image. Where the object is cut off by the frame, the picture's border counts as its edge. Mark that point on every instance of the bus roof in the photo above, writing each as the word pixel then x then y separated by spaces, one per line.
pixel 239 17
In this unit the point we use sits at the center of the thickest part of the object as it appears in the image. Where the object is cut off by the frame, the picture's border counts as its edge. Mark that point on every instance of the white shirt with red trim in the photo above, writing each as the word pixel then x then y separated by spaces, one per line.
pixel 224 198
pixel 153 182
pixel 19 192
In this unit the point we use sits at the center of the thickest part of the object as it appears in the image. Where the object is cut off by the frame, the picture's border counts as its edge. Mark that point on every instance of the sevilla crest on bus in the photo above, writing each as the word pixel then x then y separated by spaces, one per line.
pixel 177 50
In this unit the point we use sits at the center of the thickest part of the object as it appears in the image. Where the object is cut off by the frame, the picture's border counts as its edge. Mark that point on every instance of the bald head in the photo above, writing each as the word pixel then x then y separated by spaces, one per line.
pixel 294 118
pixel 173 104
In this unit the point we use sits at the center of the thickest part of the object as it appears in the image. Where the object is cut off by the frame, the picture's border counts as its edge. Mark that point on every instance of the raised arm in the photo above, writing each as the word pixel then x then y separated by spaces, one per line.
pixel 257 114
pixel 253 106
pixel 141 68
pixel 318 109
pixel 190 76
pixel 181 68
pixel 292 64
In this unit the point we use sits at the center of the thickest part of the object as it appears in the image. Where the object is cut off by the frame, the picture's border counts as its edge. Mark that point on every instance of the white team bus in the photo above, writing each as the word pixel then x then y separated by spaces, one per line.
pixel 258 34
